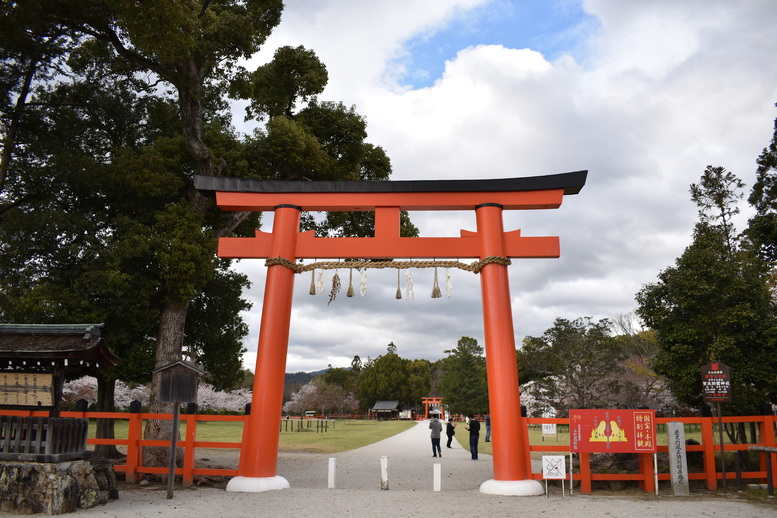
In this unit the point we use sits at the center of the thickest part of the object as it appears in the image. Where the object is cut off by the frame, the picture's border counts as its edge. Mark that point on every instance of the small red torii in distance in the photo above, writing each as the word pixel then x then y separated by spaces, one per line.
pixel 488 198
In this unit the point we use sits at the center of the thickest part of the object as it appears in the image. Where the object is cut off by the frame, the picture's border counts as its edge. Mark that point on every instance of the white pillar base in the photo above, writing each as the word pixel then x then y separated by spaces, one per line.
pixel 512 487
pixel 257 484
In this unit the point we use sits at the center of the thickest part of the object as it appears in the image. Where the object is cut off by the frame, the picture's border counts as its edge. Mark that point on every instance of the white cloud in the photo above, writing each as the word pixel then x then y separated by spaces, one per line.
pixel 661 90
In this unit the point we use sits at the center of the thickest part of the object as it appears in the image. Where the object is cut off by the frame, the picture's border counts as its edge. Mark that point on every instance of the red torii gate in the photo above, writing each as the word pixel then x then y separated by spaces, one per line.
pixel 432 400
pixel 285 244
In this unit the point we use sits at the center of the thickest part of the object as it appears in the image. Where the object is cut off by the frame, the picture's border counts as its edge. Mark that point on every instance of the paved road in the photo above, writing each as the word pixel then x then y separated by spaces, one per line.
pixel 357 492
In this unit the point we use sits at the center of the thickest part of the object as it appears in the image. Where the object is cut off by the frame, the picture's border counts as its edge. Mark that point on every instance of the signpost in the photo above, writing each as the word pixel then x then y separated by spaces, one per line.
pixel 554 468
pixel 716 388
pixel 549 428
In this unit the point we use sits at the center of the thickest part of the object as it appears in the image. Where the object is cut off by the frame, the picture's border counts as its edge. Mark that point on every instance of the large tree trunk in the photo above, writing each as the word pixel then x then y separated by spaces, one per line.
pixel 168 350
pixel 106 389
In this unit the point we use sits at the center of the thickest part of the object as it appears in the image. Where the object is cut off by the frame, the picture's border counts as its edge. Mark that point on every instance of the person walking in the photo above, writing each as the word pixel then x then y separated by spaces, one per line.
pixel 436 427
pixel 450 431
pixel 474 436
pixel 487 422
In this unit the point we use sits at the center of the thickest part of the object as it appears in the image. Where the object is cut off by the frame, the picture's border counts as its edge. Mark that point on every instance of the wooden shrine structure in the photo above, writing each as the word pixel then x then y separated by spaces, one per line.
pixel 489 244
pixel 33 362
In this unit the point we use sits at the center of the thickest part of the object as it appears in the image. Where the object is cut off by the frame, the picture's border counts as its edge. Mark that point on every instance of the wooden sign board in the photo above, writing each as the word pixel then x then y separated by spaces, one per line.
pixel 612 431
pixel 716 383
pixel 32 389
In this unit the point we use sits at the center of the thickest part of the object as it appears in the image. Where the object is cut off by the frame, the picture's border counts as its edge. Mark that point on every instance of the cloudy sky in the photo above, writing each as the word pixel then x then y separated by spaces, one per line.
pixel 643 95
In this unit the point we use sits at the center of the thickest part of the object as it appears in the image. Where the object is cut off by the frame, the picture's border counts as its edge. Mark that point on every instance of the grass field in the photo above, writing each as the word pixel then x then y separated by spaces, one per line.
pixel 340 435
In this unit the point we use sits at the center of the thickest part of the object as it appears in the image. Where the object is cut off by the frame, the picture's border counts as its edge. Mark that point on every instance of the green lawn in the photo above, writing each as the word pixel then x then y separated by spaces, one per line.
pixel 340 435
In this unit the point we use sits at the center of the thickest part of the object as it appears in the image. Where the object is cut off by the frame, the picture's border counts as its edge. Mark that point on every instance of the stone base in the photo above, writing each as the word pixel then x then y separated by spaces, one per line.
pixel 257 484
pixel 512 487
pixel 54 488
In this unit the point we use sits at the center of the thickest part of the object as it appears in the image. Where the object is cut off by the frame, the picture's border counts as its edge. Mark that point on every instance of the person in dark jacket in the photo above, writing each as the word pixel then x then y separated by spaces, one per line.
pixel 474 435
pixel 450 431
pixel 487 422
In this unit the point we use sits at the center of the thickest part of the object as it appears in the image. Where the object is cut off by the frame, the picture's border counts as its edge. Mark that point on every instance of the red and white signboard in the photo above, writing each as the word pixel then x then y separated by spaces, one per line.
pixel 612 431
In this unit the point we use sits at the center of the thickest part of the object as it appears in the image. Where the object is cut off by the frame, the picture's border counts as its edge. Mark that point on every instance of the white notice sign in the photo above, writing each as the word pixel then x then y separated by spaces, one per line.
pixel 554 467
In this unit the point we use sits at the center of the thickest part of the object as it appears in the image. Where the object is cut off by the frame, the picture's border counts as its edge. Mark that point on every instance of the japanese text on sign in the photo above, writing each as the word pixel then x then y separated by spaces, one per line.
pixel 612 431
pixel 716 383
pixel 25 389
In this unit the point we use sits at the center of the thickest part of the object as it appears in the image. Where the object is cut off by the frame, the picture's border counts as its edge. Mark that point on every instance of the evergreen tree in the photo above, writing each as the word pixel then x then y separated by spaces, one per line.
pixel 762 227
pixel 464 385
pixel 575 364
pixel 714 305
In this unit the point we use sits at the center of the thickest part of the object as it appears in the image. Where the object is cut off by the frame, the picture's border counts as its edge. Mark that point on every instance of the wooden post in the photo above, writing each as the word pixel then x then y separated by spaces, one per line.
pixel 585 472
pixel 173 449
pixel 134 434
pixel 188 452
pixel 708 441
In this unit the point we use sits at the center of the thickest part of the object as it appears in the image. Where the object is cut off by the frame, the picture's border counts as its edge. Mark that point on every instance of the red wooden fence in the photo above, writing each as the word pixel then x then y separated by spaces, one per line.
pixel 134 469
pixel 709 448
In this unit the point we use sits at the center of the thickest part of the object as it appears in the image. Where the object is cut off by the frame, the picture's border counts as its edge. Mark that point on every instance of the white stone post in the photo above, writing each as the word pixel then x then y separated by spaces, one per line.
pixel 332 467
pixel 384 482
pixel 678 463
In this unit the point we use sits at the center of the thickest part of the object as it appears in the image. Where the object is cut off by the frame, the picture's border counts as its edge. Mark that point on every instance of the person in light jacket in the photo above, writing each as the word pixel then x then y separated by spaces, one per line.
pixel 436 427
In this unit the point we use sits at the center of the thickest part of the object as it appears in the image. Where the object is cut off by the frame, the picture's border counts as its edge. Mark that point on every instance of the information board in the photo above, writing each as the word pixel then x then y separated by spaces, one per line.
pixel 716 383
pixel 612 431
pixel 26 389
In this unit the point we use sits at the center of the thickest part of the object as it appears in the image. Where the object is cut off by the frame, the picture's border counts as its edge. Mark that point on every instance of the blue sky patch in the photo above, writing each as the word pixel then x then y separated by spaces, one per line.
pixel 551 27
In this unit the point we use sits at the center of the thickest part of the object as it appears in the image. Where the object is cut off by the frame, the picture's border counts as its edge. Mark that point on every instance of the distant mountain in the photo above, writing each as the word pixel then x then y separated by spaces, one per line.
pixel 294 380
pixel 298 378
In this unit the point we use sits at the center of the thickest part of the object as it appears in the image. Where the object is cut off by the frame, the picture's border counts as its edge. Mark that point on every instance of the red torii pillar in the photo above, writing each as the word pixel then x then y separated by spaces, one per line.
pixel 259 455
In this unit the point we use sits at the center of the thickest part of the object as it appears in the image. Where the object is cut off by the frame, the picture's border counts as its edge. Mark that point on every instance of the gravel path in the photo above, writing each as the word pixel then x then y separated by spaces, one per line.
pixel 410 466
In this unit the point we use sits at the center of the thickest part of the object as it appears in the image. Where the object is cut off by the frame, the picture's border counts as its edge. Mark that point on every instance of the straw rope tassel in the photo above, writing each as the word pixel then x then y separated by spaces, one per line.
pixel 436 294
pixel 312 282
pixel 335 287
pixel 399 289
pixel 349 293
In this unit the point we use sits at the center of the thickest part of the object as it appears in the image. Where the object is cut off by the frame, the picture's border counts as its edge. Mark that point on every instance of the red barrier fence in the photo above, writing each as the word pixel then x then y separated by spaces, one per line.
pixel 709 449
